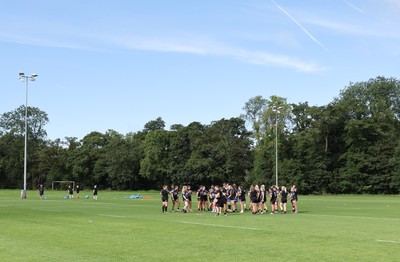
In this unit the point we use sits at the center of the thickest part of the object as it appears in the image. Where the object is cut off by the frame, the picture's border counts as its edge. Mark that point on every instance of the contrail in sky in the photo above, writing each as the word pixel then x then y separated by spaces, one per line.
pixel 299 25
pixel 354 7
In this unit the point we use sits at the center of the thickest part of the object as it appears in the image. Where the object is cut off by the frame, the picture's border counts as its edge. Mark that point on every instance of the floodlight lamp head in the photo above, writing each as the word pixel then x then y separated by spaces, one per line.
pixel 34 75
pixel 21 77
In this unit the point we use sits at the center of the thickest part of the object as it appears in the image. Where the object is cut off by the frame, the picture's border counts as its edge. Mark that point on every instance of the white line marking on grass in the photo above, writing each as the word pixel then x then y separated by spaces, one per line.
pixel 45 210
pixel 388 241
pixel 358 217
pixel 104 215
pixel 213 225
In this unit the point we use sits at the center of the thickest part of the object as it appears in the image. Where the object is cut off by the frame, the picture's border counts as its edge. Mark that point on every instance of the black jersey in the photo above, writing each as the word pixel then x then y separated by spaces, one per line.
pixel 70 190
pixel 273 196
pixel 263 196
pixel 41 190
pixel 241 195
pixel 211 194
pixel 293 195
pixel 78 189
pixel 175 194
pixel 189 195
pixel 253 195
pixel 164 195
pixel 284 195
pixel 199 193
pixel 204 195
pixel 95 191
pixel 218 194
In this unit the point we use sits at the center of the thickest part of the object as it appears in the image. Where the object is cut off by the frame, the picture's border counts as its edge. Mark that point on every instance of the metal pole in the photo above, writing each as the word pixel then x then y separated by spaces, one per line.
pixel 23 195
pixel 276 146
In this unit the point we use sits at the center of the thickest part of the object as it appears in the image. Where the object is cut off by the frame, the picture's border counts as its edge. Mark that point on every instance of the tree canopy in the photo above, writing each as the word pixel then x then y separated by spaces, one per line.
pixel 350 145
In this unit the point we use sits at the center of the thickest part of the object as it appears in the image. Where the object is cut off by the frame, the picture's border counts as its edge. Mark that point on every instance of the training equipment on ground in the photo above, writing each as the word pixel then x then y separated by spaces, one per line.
pixel 134 197
pixel 86 196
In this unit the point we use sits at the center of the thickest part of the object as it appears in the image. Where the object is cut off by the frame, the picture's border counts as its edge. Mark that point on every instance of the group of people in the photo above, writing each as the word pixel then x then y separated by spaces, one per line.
pixel 70 191
pixel 225 198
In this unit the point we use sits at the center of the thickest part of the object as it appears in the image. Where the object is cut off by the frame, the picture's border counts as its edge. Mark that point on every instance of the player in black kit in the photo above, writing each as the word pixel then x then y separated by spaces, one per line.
pixel 164 198
pixel 70 192
pixel 293 199
pixel 175 198
pixel 41 191
pixel 284 194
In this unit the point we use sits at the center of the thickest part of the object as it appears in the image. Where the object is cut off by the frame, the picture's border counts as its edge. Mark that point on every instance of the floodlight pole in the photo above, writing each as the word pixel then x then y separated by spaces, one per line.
pixel 276 109
pixel 26 79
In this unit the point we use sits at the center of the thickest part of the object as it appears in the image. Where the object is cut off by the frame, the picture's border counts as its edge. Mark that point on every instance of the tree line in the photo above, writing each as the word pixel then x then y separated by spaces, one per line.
pixel 351 145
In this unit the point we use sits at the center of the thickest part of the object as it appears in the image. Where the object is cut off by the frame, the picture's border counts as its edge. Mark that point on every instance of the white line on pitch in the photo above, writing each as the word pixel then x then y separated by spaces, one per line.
pixel 104 215
pixel 213 225
pixel 358 217
pixel 45 210
pixel 388 241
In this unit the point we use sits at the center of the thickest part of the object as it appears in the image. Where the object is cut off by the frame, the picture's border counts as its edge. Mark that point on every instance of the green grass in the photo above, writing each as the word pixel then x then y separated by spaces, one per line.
pixel 327 228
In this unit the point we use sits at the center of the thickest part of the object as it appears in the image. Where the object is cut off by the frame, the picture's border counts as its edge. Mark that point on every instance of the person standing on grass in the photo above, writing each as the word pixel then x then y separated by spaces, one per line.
pixel 189 197
pixel 218 201
pixel 41 191
pixel 273 200
pixel 293 199
pixel 95 192
pixel 175 198
pixel 164 198
pixel 70 191
pixel 254 195
pixel 211 197
pixel 263 198
pixel 199 194
pixel 78 189
pixel 284 194
pixel 232 197
pixel 185 199
pixel 204 199
pixel 241 195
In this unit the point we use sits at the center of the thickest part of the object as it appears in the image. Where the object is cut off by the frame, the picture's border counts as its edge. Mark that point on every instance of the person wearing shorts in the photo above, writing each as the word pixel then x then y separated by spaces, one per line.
pixel 78 189
pixel 241 195
pixel 211 197
pixel 70 191
pixel 199 194
pixel 95 192
pixel 175 198
pixel 219 203
pixel 263 204
pixel 164 198
pixel 293 199
pixel 273 199
pixel 204 199
pixel 254 198
pixel 284 194
pixel 41 191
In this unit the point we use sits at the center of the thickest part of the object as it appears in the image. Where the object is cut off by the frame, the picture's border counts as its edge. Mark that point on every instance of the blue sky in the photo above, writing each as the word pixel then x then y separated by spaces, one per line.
pixel 119 64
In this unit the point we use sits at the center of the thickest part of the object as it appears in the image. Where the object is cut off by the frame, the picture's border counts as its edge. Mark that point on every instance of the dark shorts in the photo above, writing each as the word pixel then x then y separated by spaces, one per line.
pixel 254 200
pixel 164 199
pixel 175 199
pixel 221 203
pixel 283 200
pixel 273 202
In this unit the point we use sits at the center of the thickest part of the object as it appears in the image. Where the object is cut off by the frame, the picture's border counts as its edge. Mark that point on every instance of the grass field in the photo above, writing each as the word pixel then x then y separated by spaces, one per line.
pixel 327 228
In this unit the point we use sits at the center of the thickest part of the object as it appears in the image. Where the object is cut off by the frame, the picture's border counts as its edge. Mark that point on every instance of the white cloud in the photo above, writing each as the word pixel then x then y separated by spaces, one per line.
pixel 372 30
pixel 206 47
